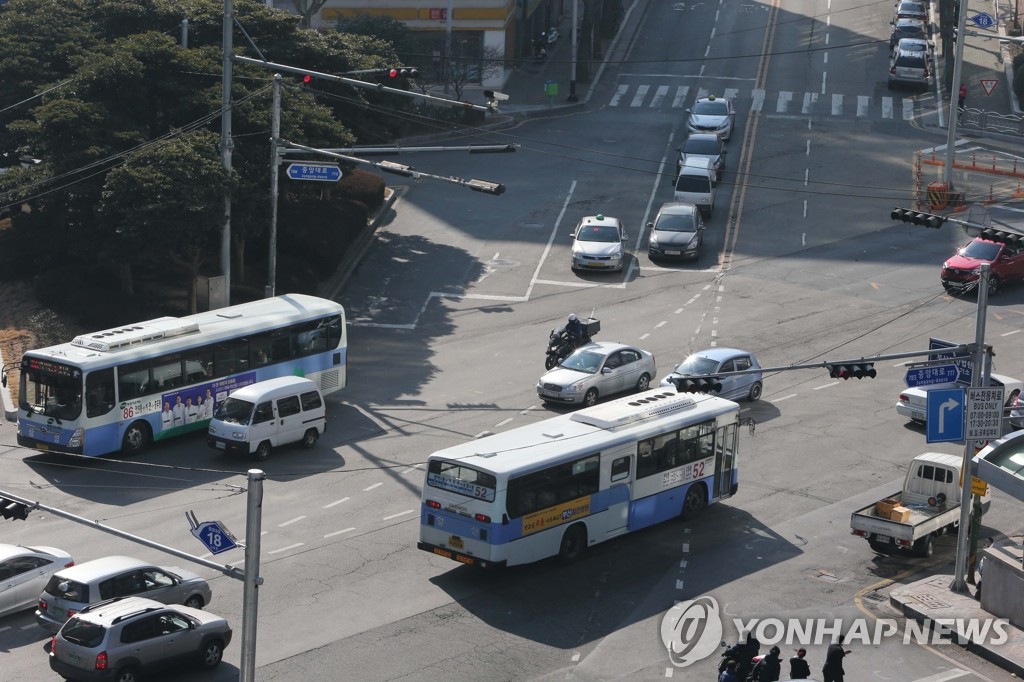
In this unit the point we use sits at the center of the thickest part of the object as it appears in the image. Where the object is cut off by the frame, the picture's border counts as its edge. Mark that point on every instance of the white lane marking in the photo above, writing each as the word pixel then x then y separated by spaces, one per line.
pixel 1015 331
pixel 339 532
pixel 887 107
pixel 620 92
pixel 818 388
pixel 677 102
pixel 785 397
pixel 810 98
pixel 837 105
pixel 285 549
pixel 732 93
pixel 863 103
pixel 503 422
pixel 641 93
pixel 288 523
pixel 758 97
pixel 659 95
pixel 782 104
pixel 395 516
pixel 908 108
pixel 375 485
pixel 337 502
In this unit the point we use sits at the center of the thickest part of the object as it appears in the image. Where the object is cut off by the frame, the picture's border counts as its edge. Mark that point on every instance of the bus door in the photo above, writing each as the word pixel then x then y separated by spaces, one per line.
pixel 617 471
pixel 725 461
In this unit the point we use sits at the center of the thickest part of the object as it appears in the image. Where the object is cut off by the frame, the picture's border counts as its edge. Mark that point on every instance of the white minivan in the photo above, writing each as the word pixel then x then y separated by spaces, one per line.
pixel 696 184
pixel 260 416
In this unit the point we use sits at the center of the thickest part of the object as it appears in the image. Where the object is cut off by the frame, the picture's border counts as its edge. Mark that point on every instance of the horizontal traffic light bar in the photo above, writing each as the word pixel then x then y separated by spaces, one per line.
pixel 905 215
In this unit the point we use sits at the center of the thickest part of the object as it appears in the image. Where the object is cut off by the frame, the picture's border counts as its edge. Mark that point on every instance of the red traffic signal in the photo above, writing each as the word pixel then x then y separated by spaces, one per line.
pixel 853 370
pixel 402 72
pixel 307 79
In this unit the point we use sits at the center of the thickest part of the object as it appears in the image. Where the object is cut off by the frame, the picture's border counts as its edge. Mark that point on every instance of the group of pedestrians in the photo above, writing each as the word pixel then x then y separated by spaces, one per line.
pixel 738 664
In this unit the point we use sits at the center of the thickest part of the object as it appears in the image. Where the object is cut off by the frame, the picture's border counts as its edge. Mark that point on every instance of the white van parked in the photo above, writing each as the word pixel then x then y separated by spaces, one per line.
pixel 696 184
pixel 261 416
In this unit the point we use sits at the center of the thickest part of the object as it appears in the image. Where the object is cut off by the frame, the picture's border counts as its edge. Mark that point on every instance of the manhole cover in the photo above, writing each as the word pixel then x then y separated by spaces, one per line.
pixel 828 577
pixel 931 601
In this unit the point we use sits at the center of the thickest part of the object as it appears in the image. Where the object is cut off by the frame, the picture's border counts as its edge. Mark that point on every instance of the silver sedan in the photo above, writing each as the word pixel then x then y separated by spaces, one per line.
pixel 596 370
pixel 24 572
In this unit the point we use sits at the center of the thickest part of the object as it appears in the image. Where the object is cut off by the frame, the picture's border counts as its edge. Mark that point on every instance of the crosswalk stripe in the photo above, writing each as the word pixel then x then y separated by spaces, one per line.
pixel 783 102
pixel 681 91
pixel 863 103
pixel 678 96
pixel 659 95
pixel 758 97
pixel 620 92
pixel 641 93
pixel 810 99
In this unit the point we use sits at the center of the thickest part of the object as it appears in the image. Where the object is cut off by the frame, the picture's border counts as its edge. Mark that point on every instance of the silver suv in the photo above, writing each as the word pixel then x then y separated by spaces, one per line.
pixel 909 67
pixel 70 590
pixel 120 639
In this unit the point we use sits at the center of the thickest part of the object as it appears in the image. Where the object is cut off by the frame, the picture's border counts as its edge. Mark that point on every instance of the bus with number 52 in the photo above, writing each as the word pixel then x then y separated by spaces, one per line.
pixel 556 487
pixel 120 389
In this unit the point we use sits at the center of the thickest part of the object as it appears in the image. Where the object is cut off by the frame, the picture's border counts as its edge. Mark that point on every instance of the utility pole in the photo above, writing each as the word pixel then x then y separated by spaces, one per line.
pixel 250 588
pixel 575 47
pixel 275 164
pixel 979 377
pixel 226 146
pixel 954 94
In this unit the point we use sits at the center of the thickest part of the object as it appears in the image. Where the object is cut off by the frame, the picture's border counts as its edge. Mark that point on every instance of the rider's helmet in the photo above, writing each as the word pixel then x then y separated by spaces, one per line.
pixel 572 317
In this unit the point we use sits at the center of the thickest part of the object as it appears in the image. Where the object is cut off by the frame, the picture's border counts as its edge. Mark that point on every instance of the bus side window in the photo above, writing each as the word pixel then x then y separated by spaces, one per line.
pixel 132 381
pixel 620 468
pixel 230 357
pixel 99 392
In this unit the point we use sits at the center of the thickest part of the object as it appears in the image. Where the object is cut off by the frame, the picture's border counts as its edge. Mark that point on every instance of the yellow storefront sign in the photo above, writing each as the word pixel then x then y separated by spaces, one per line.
pixel 557 515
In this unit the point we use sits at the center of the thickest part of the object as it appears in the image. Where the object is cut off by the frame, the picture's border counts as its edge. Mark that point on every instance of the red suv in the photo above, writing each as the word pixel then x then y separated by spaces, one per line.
pixel 960 273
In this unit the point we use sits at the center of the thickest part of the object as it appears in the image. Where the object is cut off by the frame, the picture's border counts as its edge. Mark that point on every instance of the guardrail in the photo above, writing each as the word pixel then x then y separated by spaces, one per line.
pixel 990 121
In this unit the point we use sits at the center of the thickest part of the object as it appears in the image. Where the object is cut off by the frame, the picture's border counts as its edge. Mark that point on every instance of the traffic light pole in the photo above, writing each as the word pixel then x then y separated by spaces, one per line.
pixel 979 377
pixel 954 93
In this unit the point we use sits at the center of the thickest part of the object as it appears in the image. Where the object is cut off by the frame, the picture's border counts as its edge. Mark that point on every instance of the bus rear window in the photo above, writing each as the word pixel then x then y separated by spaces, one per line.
pixel 461 479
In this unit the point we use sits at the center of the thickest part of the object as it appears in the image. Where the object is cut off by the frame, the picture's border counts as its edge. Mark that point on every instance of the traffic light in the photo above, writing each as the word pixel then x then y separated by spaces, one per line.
pixel 1001 236
pixel 10 509
pixel 905 215
pixel 396 72
pixel 855 370
pixel 697 384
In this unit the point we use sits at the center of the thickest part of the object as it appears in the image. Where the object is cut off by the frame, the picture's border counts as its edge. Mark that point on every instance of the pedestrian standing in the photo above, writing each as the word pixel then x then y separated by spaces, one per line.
pixel 963 94
pixel 729 674
pixel 769 668
pixel 798 668
pixel 833 669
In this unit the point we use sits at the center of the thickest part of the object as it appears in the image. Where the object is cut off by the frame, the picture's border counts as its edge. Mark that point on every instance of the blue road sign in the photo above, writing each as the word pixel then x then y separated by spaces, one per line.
pixel 945 415
pixel 932 374
pixel 963 360
pixel 216 537
pixel 982 20
pixel 323 172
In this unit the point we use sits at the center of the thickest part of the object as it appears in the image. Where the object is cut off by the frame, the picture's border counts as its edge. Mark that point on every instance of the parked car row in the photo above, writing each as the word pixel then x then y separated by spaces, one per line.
pixel 112 618
pixel 910 59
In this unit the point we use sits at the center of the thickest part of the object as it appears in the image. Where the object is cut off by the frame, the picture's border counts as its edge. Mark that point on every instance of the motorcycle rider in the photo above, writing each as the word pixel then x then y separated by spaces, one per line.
pixel 575 331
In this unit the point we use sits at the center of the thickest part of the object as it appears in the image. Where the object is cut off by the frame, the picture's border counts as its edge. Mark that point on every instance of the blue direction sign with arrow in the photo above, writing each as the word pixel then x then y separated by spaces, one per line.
pixel 945 415
pixel 931 374
pixel 323 172
pixel 212 534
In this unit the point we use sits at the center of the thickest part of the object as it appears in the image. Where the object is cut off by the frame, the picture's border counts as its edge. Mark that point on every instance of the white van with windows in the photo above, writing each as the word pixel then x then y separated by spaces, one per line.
pixel 264 415
pixel 696 184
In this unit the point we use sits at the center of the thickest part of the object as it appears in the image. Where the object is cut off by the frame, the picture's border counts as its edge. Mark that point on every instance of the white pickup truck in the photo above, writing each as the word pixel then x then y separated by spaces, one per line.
pixel 927 507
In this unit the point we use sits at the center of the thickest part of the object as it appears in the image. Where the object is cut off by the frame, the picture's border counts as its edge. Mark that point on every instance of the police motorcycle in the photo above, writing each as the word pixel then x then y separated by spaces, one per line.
pixel 561 344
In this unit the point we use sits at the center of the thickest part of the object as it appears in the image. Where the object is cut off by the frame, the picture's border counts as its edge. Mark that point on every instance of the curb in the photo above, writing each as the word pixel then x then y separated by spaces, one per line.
pixel 332 287
pixel 908 604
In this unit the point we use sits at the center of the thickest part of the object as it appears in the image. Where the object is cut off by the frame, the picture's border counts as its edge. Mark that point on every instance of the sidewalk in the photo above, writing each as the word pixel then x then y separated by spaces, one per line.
pixel 931 599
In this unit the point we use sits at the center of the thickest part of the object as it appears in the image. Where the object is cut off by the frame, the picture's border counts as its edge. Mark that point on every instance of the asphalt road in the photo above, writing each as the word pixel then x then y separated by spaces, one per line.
pixel 450 313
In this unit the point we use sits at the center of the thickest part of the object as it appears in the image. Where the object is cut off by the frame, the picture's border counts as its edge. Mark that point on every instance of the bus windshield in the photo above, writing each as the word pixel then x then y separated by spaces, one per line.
pixel 51 389
pixel 235 411
pixel 462 480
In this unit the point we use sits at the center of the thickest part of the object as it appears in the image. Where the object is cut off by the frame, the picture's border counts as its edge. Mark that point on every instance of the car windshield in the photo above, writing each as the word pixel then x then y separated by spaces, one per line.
pixel 911 45
pixel 598 233
pixel 675 223
pixel 586 361
pixel 696 364
pixel 703 147
pixel 909 29
pixel 910 61
pixel 980 251
pixel 693 183
pixel 911 8
pixel 235 411
pixel 708 108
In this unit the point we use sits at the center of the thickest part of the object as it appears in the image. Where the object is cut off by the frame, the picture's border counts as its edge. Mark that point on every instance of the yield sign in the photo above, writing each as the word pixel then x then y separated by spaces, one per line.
pixel 989 84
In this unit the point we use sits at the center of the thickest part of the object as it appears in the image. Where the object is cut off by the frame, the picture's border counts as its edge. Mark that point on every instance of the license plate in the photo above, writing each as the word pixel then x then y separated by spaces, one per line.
pixel 58 612
pixel 221 445
pixel 883 538
pixel 456 542
pixel 672 253
pixel 553 394
pixel 74 660
pixel 42 446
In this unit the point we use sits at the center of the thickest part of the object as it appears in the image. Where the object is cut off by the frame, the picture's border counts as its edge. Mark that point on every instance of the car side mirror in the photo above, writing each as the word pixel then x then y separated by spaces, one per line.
pixel 625 236
pixel 650 224
pixel 679 149
pixel 606 370
pixel 724 152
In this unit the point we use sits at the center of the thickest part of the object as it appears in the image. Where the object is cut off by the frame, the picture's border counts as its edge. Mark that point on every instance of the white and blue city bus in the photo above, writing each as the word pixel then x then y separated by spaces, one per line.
pixel 121 388
pixel 558 486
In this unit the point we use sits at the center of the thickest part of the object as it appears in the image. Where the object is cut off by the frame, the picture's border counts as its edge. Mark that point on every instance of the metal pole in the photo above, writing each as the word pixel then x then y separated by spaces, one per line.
pixel 575 44
pixel 977 377
pixel 954 94
pixel 447 45
pixel 226 146
pixel 184 33
pixel 250 593
pixel 275 135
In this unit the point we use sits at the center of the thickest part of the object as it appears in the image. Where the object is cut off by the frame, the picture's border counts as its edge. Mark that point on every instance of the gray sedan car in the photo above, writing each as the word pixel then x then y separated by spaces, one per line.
pixel 677 232
pixel 715 361
pixel 24 572
pixel 597 370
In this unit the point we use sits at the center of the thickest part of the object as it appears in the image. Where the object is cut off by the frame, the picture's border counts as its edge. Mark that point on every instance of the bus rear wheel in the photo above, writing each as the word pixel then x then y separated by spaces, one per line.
pixel 136 438
pixel 573 543
pixel 695 501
